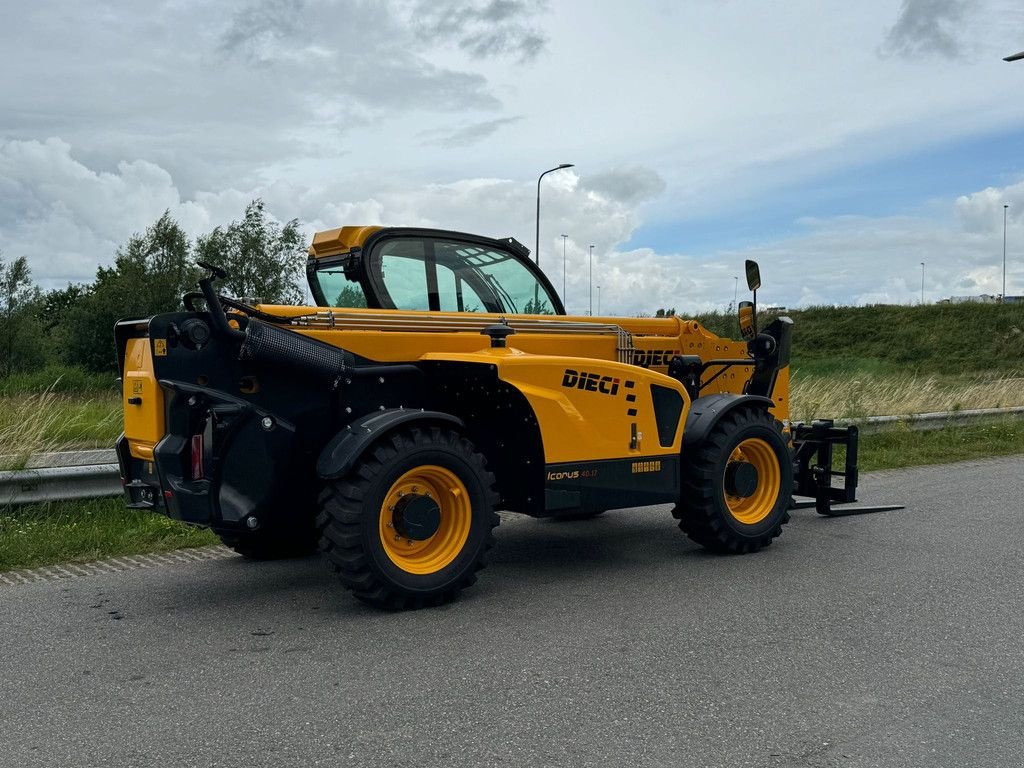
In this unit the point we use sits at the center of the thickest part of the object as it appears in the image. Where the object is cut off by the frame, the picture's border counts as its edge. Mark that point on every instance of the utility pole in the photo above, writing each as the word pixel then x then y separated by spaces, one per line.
pixel 564 238
pixel 1002 297
pixel 922 283
pixel 591 280
pixel 599 300
pixel 536 242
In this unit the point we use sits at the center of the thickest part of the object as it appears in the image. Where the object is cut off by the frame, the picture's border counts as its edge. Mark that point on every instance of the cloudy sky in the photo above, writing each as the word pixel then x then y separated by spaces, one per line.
pixel 840 144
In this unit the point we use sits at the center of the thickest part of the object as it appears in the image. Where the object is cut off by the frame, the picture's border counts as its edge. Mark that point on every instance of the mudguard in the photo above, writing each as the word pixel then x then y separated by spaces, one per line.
pixel 345 448
pixel 705 412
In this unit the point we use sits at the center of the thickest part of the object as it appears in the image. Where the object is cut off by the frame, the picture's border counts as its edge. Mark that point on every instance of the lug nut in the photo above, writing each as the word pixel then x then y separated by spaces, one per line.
pixel 268 423
pixel 252 522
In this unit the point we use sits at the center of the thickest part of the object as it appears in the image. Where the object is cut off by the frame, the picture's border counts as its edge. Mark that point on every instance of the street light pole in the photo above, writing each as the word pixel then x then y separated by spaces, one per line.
pixel 591 281
pixel 1003 297
pixel 599 299
pixel 536 249
pixel 564 239
pixel 735 290
pixel 922 283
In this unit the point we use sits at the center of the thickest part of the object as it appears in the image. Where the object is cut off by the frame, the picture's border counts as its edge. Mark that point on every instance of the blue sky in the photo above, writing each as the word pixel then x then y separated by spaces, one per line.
pixel 904 184
pixel 839 143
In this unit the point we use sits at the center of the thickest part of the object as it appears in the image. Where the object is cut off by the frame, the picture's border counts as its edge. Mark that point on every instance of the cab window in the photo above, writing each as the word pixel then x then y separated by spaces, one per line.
pixel 403 268
pixel 339 289
pixel 452 276
pixel 500 277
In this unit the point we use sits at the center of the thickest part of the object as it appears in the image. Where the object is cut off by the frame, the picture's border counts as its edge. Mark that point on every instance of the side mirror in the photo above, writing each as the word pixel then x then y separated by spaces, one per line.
pixel 753 275
pixel 746 310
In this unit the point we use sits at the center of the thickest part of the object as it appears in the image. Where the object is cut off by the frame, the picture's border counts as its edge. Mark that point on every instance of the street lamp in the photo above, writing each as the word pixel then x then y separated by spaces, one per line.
pixel 922 283
pixel 1005 206
pixel 599 299
pixel 591 313
pixel 536 251
pixel 564 238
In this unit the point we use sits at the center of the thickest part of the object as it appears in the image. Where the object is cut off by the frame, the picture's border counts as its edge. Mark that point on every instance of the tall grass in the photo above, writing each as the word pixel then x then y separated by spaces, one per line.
pixel 49 421
pixel 864 394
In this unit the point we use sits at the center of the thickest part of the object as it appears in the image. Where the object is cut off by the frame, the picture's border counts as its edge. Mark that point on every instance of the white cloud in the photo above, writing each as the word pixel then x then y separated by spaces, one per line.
pixel 67 217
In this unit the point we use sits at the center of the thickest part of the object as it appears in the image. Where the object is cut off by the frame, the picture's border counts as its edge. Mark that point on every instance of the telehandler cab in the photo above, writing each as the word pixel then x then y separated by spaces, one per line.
pixel 438 380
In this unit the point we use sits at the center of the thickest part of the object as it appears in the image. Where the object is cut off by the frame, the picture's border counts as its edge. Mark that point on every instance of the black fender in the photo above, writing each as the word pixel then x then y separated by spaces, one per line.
pixel 706 412
pixel 345 448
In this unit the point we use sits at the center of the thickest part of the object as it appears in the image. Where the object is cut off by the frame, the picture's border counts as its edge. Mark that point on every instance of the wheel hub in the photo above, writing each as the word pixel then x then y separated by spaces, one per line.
pixel 741 479
pixel 416 517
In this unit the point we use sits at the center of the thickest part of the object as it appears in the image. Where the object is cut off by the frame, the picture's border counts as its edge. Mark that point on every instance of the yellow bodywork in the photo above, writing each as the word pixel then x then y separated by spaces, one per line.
pixel 142 399
pixel 575 425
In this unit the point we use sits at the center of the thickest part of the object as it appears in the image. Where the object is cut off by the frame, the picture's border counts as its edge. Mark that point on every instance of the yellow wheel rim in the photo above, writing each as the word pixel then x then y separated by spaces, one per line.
pixel 756 507
pixel 456 513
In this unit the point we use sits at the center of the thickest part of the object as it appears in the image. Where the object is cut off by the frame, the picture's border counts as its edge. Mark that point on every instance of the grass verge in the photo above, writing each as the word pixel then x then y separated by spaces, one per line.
pixel 89 530
pixel 79 531
pixel 902 447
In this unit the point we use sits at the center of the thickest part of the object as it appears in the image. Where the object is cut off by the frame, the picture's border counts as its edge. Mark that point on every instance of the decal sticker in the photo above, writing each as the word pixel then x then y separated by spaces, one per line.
pixel 590 382
pixel 160 347
pixel 649 358
pixel 641 467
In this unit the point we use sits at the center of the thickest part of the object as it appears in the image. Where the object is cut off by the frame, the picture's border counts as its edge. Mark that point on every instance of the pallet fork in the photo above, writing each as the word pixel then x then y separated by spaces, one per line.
pixel 814 446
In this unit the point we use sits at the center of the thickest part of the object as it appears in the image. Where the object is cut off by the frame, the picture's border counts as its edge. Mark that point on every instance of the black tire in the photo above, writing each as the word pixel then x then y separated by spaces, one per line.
pixel 357 519
pixel 736 524
pixel 274 543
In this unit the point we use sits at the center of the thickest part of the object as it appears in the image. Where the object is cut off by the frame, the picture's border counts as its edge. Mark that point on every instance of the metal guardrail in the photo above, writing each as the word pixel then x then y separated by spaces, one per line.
pixel 923 422
pixel 33 486
pixel 67 479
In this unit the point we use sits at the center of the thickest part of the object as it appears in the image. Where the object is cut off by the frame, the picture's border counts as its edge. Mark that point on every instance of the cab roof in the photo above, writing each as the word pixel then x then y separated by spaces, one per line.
pixel 333 242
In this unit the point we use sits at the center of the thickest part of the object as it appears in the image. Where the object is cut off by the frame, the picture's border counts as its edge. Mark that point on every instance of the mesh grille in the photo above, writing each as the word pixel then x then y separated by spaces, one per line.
pixel 269 344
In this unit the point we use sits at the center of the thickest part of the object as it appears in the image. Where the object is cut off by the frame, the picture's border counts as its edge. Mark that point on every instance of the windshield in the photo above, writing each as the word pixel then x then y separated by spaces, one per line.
pixel 422 273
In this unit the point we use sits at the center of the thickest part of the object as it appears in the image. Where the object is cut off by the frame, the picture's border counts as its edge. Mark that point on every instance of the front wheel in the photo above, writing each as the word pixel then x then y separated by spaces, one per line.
pixel 410 525
pixel 737 484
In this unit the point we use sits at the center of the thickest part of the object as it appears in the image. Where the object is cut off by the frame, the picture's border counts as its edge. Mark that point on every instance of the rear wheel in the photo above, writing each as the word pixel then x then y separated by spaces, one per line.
pixel 411 524
pixel 737 484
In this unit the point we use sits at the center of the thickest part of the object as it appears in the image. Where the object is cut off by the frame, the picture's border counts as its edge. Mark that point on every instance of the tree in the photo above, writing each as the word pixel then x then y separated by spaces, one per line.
pixel 150 274
pixel 666 312
pixel 537 306
pixel 264 260
pixel 19 328
pixel 351 296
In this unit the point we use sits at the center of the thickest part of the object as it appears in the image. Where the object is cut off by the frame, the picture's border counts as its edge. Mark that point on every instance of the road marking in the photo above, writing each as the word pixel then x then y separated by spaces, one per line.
pixel 113 565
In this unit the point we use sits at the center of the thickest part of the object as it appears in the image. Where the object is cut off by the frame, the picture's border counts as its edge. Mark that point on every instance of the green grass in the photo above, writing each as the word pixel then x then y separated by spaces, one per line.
pixel 902 447
pixel 60 379
pixel 896 340
pixel 79 531
pixel 90 530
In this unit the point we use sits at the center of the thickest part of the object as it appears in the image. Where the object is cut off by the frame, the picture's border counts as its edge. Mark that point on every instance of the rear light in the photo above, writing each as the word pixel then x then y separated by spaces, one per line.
pixel 197 457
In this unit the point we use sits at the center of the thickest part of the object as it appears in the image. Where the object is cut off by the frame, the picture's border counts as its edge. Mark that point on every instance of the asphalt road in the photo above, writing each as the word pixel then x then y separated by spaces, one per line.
pixel 887 640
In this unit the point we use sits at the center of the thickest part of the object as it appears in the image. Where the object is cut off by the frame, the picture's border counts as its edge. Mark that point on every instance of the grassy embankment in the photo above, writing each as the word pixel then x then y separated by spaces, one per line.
pixel 847 362
pixel 870 361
